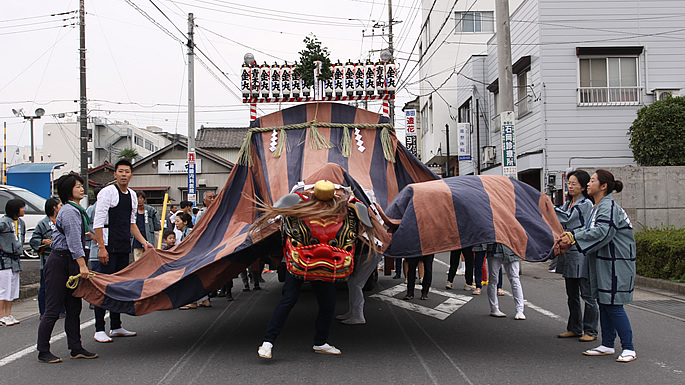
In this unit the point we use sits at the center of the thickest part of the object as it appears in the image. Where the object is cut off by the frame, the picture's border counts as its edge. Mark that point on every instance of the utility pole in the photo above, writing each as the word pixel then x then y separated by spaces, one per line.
pixel 83 114
pixel 447 138
pixel 506 89
pixel 191 111
pixel 392 55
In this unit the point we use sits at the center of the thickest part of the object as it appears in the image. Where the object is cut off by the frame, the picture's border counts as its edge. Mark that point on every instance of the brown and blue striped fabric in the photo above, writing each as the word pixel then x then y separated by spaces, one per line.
pixel 219 246
pixel 463 211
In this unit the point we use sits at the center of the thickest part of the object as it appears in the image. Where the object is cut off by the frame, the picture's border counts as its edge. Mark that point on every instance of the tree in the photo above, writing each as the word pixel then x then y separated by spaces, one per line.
pixel 128 153
pixel 657 136
pixel 314 52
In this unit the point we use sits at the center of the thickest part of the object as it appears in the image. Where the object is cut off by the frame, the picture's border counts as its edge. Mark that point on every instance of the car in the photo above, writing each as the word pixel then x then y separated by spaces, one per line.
pixel 34 211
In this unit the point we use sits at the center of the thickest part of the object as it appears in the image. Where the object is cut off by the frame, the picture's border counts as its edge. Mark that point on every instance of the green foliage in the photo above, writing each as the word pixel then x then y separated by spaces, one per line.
pixel 657 136
pixel 308 56
pixel 128 154
pixel 661 253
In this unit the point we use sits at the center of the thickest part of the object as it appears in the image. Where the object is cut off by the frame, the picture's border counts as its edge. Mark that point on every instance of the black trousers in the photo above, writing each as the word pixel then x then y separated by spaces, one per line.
pixel 454 264
pixel 427 274
pixel 325 297
pixel 117 262
pixel 58 268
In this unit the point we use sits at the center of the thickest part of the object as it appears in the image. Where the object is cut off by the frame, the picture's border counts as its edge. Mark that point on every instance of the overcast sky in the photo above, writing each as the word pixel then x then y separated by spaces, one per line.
pixel 136 72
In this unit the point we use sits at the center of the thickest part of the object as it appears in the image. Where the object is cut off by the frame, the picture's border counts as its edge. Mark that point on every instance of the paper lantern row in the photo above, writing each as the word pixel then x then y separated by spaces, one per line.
pixel 350 79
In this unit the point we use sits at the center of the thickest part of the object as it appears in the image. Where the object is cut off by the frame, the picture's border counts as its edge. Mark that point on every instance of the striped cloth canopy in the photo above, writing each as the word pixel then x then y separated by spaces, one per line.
pixel 360 142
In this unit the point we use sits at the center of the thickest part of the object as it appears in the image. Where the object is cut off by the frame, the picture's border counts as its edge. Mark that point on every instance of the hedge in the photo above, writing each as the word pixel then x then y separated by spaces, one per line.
pixel 661 253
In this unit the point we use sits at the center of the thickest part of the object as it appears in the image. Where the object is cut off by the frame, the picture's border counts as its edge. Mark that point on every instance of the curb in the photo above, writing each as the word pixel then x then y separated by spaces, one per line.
pixel 661 284
pixel 28 291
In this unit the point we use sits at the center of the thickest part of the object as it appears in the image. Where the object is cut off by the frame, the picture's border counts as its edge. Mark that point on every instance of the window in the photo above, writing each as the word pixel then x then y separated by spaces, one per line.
pixel 149 145
pixel 430 112
pixel 138 140
pixel 495 104
pixel 427 31
pixel 522 92
pixel 424 118
pixel 465 112
pixel 90 134
pixel 474 22
pixel 609 81
pixel 90 157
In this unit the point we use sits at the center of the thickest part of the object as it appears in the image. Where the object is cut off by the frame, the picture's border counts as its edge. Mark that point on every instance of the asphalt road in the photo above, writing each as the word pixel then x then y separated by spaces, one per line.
pixel 398 345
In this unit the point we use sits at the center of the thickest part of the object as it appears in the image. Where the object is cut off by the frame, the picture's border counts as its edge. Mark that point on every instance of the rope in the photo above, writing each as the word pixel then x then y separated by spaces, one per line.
pixel 72 282
pixel 317 140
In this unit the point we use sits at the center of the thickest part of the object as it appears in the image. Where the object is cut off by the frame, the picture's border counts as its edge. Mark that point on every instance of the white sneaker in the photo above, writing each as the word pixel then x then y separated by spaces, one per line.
pixel 460 271
pixel 102 337
pixel 468 287
pixel 14 320
pixel 6 321
pixel 326 349
pixel 448 285
pixel 265 350
pixel 519 315
pixel 497 313
pixel 121 332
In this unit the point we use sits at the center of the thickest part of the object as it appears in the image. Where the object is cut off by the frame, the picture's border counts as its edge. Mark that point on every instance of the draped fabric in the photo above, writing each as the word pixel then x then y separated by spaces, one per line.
pixel 219 246
pixel 463 211
pixel 429 217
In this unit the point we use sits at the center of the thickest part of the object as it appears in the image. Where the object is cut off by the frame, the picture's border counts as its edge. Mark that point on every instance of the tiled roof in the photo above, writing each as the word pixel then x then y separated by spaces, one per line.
pixel 220 137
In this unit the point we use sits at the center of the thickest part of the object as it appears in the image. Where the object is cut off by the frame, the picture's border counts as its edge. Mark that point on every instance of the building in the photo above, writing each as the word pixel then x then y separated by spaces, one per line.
pixel 165 172
pixel 451 33
pixel 106 138
pixel 222 141
pixel 579 79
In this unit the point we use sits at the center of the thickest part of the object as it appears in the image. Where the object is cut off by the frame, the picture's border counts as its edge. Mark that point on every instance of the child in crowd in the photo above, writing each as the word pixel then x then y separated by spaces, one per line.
pixel 169 239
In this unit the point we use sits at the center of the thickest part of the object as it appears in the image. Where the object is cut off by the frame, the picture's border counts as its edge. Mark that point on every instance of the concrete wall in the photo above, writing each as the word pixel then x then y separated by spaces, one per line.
pixel 652 196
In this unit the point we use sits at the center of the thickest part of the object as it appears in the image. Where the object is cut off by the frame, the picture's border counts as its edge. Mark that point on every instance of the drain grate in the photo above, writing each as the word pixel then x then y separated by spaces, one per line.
pixel 671 307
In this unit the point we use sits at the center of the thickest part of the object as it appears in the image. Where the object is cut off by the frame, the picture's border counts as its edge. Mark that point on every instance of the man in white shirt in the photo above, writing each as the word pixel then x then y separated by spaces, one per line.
pixel 115 222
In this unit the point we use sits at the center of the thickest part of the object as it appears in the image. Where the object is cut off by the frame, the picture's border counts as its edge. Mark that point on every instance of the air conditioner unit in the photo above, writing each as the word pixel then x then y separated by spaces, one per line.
pixel 488 155
pixel 663 94
pixel 202 182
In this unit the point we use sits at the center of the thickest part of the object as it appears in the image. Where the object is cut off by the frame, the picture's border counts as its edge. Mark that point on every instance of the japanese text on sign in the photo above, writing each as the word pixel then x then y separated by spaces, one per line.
pixel 464 140
pixel 410 126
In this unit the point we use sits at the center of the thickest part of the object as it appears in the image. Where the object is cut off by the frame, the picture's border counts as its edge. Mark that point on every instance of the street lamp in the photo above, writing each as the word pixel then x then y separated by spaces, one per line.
pixel 38 113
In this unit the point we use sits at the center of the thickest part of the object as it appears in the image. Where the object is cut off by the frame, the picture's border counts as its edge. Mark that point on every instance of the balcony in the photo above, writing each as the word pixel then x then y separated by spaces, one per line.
pixel 609 96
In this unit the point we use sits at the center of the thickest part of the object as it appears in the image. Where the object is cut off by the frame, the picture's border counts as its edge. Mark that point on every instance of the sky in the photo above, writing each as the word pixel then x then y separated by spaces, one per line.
pixel 136 72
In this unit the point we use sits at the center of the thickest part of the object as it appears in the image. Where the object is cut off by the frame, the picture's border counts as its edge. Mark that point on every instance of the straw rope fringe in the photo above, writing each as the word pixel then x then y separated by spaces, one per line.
pixel 282 138
pixel 345 148
pixel 317 140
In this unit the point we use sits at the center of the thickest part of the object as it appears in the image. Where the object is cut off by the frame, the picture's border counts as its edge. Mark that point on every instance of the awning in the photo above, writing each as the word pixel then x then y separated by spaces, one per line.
pixel 35 177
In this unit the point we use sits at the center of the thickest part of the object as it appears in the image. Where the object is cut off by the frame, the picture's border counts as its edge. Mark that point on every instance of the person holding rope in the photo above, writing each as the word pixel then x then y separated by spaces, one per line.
pixel 67 258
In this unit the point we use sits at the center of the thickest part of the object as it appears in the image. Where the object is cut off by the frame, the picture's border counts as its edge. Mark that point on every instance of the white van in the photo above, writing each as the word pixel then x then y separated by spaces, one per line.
pixel 34 211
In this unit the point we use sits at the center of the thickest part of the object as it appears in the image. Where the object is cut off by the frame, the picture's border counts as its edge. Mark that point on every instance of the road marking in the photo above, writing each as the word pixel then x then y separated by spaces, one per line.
pixel 441 311
pixel 32 348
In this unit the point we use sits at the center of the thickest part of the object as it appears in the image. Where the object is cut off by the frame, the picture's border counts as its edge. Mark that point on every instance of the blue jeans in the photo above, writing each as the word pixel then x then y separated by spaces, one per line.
pixel 613 319
pixel 325 296
pixel 579 323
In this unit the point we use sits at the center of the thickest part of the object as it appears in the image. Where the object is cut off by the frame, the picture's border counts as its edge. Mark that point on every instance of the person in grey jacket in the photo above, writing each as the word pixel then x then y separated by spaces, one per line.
pixel 609 243
pixel 147 220
pixel 12 233
pixel 41 242
pixel 573 264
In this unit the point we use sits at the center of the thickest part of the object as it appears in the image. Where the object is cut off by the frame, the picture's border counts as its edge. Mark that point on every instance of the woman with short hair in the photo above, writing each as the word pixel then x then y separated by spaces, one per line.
pixel 67 259
pixel 12 233
pixel 41 241
pixel 609 243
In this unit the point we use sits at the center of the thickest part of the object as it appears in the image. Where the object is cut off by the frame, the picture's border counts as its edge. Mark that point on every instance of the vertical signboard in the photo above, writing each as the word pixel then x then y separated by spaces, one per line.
pixel 410 131
pixel 464 139
pixel 192 194
pixel 508 145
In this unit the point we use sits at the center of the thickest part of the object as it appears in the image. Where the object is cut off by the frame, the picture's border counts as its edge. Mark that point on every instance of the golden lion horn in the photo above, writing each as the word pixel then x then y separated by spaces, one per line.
pixel 324 190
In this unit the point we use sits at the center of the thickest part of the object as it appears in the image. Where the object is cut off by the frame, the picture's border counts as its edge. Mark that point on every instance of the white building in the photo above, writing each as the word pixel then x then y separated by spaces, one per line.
pixel 579 79
pixel 449 37
pixel 106 138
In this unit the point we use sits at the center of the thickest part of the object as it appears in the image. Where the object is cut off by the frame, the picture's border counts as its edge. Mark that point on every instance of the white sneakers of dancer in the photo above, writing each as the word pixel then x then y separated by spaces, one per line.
pixel 326 349
pixel 265 350
pixel 519 316
pixel 497 313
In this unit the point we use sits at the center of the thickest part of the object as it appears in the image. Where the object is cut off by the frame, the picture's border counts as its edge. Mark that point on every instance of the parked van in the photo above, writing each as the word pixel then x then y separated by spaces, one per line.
pixel 34 212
